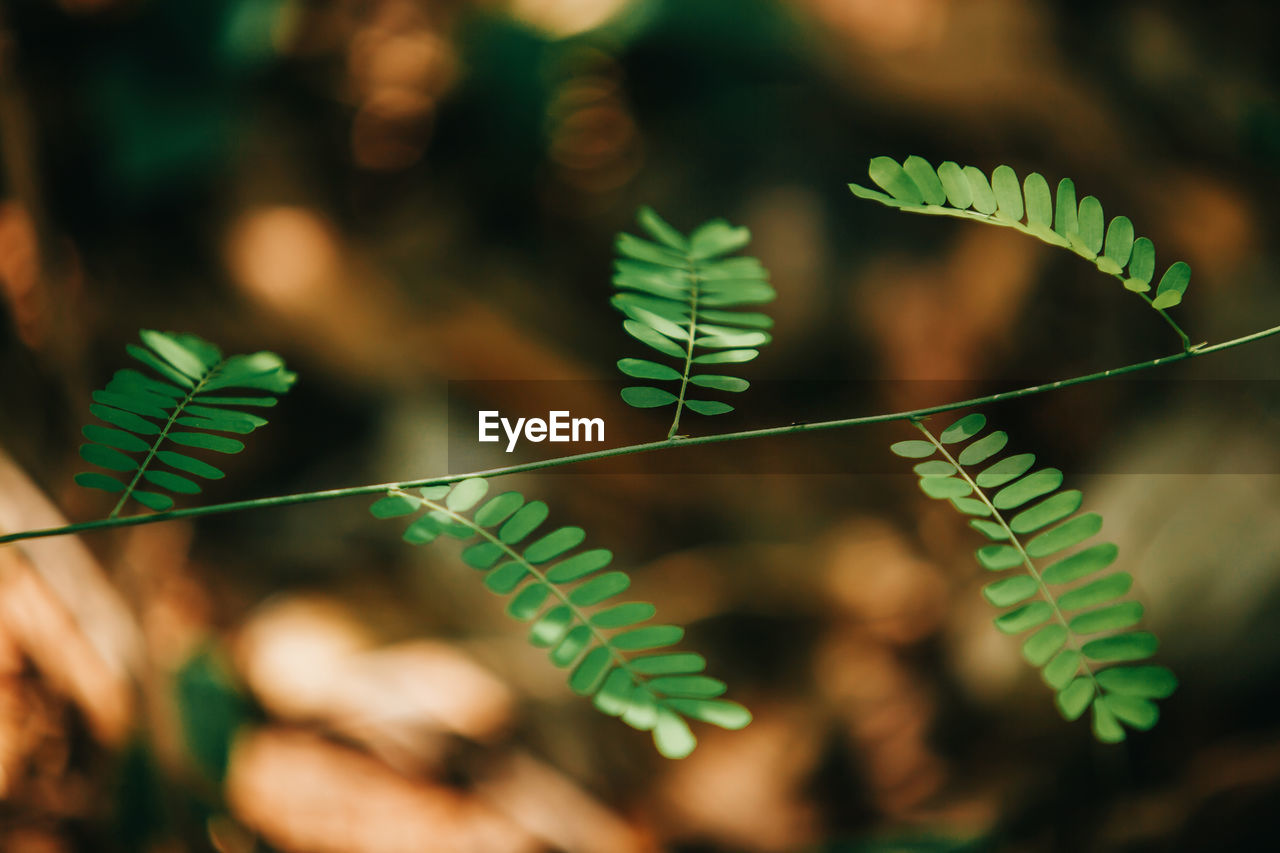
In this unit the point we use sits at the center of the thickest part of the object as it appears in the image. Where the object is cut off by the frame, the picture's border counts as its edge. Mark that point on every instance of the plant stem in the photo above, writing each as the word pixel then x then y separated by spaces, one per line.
pixel 688 355
pixel 382 488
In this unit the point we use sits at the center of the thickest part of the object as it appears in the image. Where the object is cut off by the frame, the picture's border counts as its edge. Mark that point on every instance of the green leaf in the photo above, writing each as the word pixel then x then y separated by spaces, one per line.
pixel 204 441
pixel 997 558
pixel 1039 200
pixel 1044 644
pixel 528 601
pixel 1076 698
pixel 732 356
pixel 1091 221
pixel 147 405
pixel 189 465
pixel 393 506
pixel 1172 285
pixel 1135 645
pixel 1064 666
pixel 983 449
pixel 717 712
pixel 688 686
pixel 912 449
pixel 647 335
pixel 660 230
pixel 720 383
pixel 717 237
pixel 941 488
pixel 1133 711
pixel 1031 486
pixel 173 482
pixel 599 588
pixel 1142 265
pixel 1119 243
pixel 956 185
pixel 963 429
pixel 1065 221
pixel 96 480
pixel 466 494
pixel 554 544
pixel 124 420
pixel 673 663
pixel 116 438
pixel 590 673
pixel 925 179
pixel 891 177
pixel 1152 682
pixel 152 500
pixel 708 407
pixel 579 565
pixel 499 509
pixel 1105 726
pixel 1092 559
pixel 671 735
pixel 1111 618
pixel 1065 535
pixel 106 457
pixel 1096 592
pixel 1010 591
pixel 1007 469
pixel 1024 618
pixel 1048 511
pixel 648 637
pixel 551 628
pixel 984 200
pixel 935 468
pixel 643 397
pixel 504 579
pixel 524 522
pixel 641 369
pixel 624 615
pixel 1004 184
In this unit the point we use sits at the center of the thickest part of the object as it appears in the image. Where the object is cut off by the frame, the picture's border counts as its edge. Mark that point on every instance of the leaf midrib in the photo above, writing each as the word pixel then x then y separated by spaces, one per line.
pixel 620 660
pixel 1017 225
pixel 164 433
pixel 1072 640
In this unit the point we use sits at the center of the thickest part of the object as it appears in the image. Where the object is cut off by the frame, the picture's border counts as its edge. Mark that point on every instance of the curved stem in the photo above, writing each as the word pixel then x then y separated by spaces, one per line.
pixel 382 488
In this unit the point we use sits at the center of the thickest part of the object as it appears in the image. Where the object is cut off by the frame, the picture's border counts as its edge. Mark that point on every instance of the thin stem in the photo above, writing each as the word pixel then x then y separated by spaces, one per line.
pixel 1043 588
pixel 164 433
pixel 382 488
pixel 688 354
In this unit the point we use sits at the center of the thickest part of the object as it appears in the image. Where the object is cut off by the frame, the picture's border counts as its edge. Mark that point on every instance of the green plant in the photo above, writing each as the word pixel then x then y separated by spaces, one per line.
pixel 678 294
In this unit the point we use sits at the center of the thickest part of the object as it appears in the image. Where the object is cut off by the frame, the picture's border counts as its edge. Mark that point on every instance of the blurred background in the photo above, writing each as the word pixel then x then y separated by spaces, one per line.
pixel 398 195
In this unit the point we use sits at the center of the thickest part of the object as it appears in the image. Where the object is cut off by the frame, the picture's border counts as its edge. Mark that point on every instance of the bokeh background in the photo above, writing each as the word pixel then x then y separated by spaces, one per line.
pixel 397 195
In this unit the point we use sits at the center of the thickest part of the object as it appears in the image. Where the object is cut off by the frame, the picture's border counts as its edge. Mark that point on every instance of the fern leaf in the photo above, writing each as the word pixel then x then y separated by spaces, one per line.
pixel 951 190
pixel 177 404
pixel 1081 631
pixel 676 293
pixel 571 604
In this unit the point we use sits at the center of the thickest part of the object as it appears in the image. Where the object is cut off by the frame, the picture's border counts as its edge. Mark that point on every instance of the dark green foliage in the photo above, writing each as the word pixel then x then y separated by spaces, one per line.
pixel 190 394
pixel 677 294
pixel 1078 619
pixel 1031 208
pixel 571 603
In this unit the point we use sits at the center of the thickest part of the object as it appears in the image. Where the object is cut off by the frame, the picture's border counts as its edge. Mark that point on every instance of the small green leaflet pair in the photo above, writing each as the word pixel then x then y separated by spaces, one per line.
pixel 186 402
pixel 678 293
pixel 1030 207
pixel 1079 617
pixel 572 605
